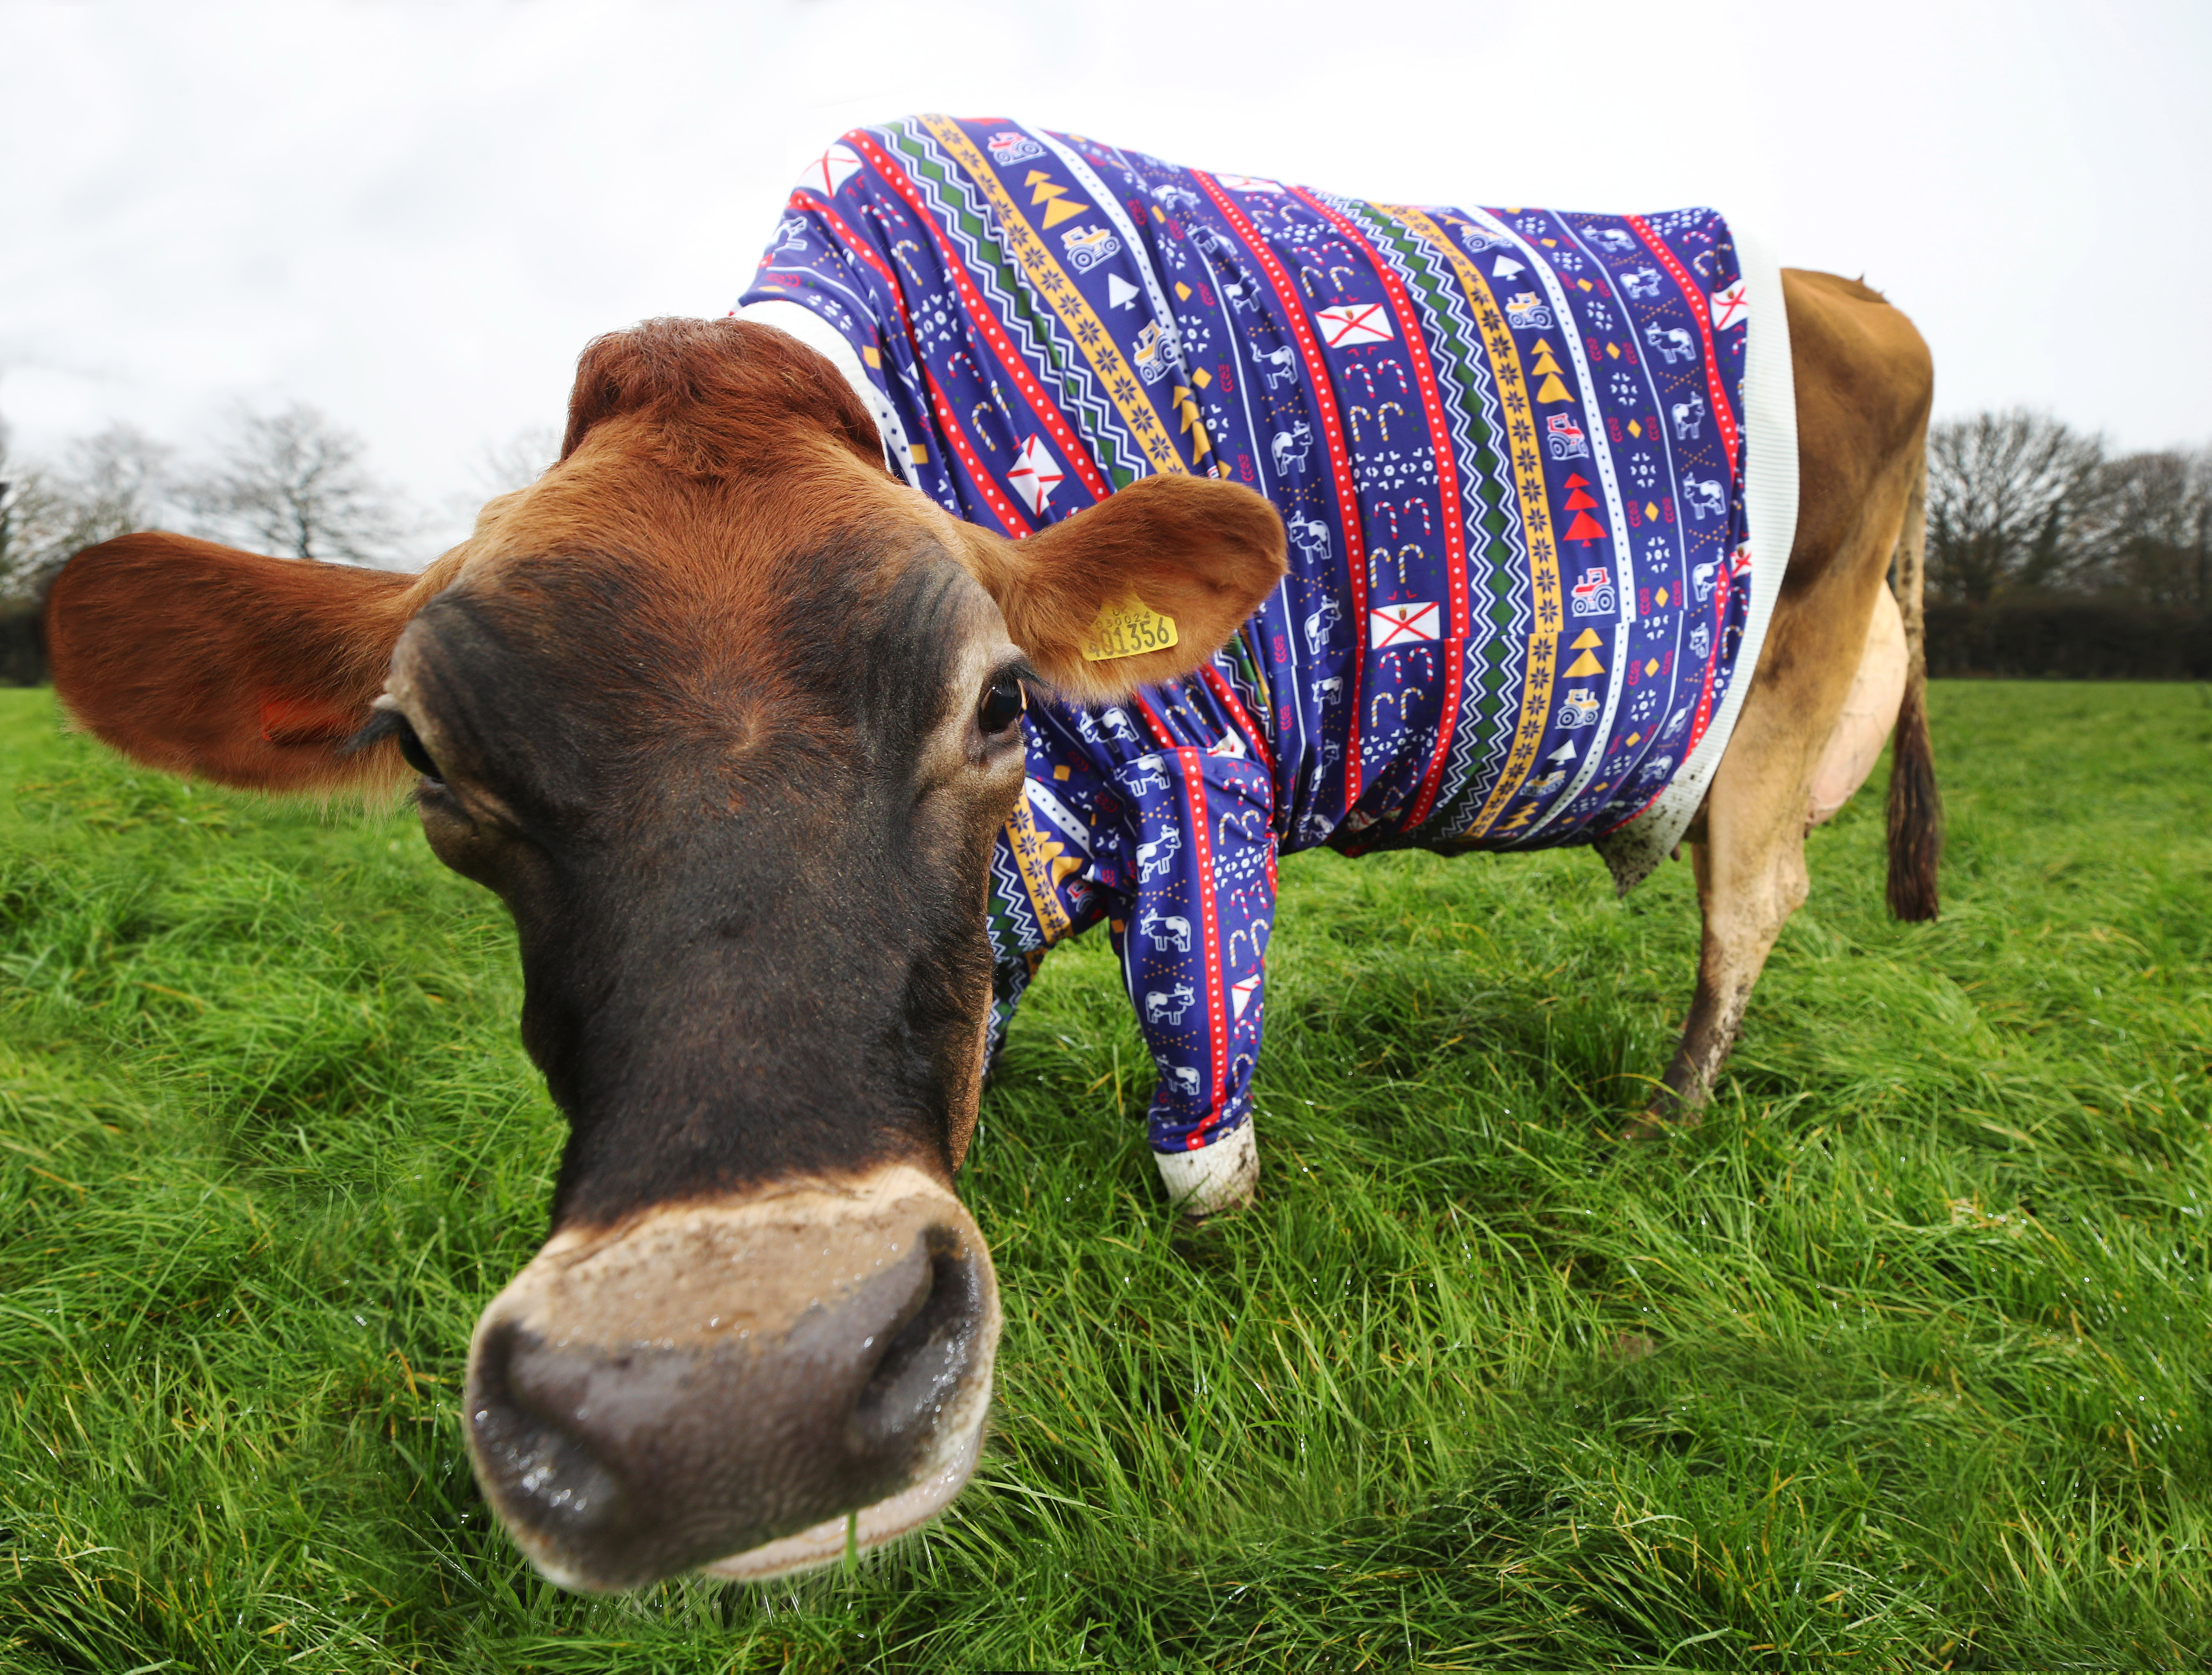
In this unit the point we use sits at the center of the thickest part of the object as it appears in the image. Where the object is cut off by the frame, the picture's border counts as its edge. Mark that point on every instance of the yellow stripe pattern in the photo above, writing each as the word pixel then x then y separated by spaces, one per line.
pixel 1050 281
pixel 1042 862
pixel 1535 517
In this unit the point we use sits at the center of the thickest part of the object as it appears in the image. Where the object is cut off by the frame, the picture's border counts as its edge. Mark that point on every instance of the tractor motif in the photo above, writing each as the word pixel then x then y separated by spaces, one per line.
pixel 1087 247
pixel 1523 311
pixel 1592 595
pixel 1150 353
pixel 1566 438
pixel 1580 709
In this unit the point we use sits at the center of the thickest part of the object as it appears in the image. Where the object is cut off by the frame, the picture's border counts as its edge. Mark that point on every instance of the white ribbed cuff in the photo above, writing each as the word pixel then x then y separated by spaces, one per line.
pixel 1214 1178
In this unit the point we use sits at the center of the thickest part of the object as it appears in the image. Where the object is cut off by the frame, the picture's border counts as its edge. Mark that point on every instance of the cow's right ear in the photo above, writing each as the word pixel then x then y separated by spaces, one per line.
pixel 228 665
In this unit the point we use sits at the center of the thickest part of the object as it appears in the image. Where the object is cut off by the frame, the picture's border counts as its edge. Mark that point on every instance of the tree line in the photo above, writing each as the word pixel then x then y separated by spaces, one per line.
pixel 2042 538
pixel 290 482
pixel 2022 506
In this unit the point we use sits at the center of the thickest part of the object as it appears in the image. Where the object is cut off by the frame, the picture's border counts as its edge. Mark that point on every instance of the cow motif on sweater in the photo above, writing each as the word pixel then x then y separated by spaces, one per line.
pixel 1508 446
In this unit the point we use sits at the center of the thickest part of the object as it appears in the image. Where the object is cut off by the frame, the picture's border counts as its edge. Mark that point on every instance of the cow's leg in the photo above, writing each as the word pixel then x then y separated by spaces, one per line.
pixel 1863 397
pixel 1750 878
pixel 1751 867
pixel 1747 843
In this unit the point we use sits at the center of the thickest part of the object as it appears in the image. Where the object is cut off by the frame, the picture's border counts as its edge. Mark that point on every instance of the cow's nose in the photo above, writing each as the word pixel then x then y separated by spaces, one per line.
pixel 722 1380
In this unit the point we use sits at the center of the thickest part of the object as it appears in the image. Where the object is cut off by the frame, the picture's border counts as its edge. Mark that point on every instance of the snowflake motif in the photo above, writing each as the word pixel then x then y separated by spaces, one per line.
pixel 1531 225
pixel 1641 469
pixel 1601 317
pixel 1567 262
pixel 1623 385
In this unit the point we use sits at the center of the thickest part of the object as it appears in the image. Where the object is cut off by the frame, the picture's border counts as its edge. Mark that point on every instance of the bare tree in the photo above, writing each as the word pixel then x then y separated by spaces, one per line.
pixel 520 461
pixel 2015 501
pixel 2156 539
pixel 108 484
pixel 293 482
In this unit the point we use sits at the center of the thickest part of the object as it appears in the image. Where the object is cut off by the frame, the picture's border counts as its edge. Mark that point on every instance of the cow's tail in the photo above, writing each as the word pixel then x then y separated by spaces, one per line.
pixel 1916 809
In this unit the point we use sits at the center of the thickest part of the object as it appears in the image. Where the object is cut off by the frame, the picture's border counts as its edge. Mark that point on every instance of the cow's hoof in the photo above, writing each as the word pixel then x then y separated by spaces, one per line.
pixel 1213 1179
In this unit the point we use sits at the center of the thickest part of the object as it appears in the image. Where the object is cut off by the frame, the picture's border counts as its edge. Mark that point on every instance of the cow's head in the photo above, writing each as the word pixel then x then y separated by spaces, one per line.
pixel 729 717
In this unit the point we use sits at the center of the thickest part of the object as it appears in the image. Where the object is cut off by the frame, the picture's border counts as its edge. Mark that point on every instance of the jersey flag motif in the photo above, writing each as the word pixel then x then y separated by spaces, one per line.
pixel 1035 475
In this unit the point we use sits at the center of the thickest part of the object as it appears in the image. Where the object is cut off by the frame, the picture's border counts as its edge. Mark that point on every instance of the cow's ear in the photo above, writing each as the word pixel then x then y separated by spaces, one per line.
pixel 1095 600
pixel 228 665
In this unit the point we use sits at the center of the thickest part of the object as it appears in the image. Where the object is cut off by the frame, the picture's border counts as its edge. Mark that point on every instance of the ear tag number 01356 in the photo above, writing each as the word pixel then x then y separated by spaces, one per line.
pixel 1127 629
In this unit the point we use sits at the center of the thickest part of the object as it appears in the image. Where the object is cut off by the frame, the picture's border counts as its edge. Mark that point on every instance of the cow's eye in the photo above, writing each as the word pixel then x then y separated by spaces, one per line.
pixel 1002 706
pixel 412 753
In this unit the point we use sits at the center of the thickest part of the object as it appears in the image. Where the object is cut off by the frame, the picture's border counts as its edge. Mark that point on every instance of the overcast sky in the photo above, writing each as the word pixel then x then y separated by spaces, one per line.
pixel 413 215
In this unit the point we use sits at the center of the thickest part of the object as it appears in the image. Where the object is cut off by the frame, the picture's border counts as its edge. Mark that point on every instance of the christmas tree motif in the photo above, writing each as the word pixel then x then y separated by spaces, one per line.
pixel 1586 643
pixel 1547 368
pixel 1052 196
pixel 1584 528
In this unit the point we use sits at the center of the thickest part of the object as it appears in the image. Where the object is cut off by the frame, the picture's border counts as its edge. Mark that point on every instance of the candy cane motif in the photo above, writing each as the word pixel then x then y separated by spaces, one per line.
pixel 1339 284
pixel 1234 936
pixel 1374 709
pixel 1428 524
pixel 1315 253
pixel 901 250
pixel 1236 817
pixel 1357 414
pixel 1359 369
pixel 1412 548
pixel 1405 388
pixel 1305 284
pixel 975 419
pixel 1390 515
pixel 1388 407
pixel 1261 930
pixel 1428 667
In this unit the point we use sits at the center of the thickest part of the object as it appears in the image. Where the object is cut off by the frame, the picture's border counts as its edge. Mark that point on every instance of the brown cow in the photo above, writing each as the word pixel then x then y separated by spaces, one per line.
pixel 729 717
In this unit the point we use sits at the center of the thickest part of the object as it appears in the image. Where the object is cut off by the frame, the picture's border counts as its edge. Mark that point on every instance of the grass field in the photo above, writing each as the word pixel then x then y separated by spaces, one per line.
pixel 1900 1362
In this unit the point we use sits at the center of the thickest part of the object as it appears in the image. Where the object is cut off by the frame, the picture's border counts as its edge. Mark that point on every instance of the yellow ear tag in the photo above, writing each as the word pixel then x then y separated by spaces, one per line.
pixel 1128 629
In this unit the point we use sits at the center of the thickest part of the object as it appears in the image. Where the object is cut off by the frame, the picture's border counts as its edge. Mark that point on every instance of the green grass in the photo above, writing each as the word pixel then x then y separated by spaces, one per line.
pixel 1900 1362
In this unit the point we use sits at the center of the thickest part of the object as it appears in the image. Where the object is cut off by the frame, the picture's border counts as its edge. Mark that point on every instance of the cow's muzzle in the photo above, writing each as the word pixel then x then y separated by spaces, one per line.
pixel 720 1385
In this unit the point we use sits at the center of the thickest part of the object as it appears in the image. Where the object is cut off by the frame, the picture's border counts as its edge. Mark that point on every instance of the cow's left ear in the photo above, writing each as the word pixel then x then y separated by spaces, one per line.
pixel 1143 587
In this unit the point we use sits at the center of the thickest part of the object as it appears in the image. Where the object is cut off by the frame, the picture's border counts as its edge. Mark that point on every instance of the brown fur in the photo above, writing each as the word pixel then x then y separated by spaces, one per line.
pixel 161 647
pixel 719 397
